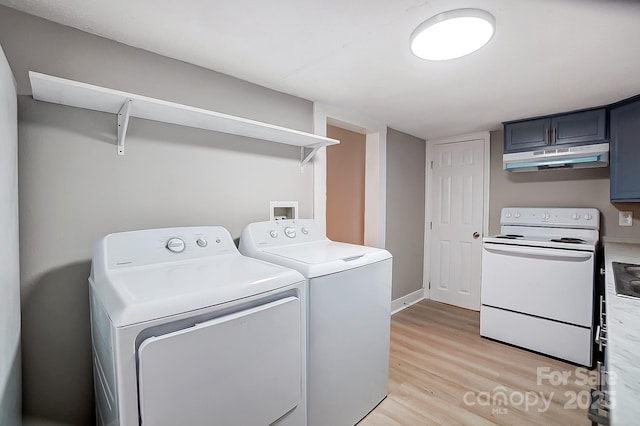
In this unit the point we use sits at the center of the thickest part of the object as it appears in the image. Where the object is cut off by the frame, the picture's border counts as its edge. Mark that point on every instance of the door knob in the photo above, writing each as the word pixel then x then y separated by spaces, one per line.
pixel 476 235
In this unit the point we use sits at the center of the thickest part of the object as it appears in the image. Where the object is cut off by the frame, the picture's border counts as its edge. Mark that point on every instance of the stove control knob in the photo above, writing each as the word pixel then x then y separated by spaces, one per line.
pixel 587 216
pixel 175 245
pixel 290 232
pixel 576 216
pixel 273 233
pixel 545 216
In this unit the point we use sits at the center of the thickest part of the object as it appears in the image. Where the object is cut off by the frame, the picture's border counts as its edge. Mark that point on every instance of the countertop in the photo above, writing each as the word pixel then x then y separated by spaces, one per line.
pixel 623 338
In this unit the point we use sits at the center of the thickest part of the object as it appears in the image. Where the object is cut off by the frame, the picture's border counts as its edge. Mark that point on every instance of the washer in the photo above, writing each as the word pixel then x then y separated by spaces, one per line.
pixel 186 330
pixel 349 315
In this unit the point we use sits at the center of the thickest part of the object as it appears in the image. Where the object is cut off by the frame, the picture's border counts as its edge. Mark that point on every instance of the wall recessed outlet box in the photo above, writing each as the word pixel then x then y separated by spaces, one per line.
pixel 281 210
pixel 625 219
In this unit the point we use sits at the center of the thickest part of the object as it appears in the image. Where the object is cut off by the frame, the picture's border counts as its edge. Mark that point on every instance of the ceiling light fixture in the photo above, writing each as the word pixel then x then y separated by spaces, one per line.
pixel 452 34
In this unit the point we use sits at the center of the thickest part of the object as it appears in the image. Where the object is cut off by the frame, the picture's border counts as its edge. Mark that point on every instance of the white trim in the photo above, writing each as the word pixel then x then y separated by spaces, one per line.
pixel 406 301
pixel 486 136
pixel 375 173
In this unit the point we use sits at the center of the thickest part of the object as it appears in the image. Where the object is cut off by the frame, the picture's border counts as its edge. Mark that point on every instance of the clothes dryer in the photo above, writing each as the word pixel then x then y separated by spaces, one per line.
pixel 187 331
pixel 349 303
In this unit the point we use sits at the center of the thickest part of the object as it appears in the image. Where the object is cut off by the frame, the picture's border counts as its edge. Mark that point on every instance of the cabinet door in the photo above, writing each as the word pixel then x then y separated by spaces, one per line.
pixel 625 152
pixel 580 128
pixel 526 135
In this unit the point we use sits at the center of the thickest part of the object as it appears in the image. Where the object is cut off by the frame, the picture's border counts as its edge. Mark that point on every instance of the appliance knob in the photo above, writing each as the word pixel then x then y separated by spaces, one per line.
pixel 545 216
pixel 587 216
pixel 273 233
pixel 576 216
pixel 175 245
pixel 290 232
pixel 516 215
pixel 202 242
pixel 507 214
pixel 305 231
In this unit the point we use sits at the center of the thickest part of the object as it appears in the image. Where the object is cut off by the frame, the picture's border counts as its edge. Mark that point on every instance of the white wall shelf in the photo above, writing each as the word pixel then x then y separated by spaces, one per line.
pixel 73 93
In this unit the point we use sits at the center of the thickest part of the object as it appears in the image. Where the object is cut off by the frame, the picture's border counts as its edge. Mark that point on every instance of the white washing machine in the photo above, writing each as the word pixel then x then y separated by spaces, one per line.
pixel 349 304
pixel 187 331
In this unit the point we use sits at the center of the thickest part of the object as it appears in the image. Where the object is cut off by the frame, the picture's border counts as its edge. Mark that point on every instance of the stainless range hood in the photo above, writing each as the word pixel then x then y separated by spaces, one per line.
pixel 575 157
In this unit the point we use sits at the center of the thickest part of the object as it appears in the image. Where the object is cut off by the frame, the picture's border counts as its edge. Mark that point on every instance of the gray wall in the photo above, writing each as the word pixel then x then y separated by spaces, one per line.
pixel 405 210
pixel 74 189
pixel 9 252
pixel 558 188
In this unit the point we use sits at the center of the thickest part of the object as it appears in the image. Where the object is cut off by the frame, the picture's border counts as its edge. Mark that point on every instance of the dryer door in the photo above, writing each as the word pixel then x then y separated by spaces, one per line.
pixel 240 369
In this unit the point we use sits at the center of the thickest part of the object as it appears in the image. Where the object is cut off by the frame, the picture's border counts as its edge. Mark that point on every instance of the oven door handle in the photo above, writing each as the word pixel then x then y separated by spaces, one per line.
pixel 552 254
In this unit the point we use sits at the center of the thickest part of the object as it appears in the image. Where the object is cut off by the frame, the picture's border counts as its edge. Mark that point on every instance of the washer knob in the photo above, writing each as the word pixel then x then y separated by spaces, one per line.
pixel 545 216
pixel 305 231
pixel 290 232
pixel 507 214
pixel 202 242
pixel 273 233
pixel 576 216
pixel 516 215
pixel 175 245
pixel 587 216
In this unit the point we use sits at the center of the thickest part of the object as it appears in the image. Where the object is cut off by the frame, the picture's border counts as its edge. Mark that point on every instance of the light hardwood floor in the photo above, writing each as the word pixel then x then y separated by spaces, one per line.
pixel 443 372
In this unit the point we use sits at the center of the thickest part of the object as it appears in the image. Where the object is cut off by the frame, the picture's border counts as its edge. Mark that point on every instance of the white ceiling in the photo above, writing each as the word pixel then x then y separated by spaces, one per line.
pixel 546 56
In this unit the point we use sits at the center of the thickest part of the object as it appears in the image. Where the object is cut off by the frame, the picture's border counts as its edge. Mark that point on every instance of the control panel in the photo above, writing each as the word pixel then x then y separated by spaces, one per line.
pixel 584 218
pixel 282 232
pixel 137 248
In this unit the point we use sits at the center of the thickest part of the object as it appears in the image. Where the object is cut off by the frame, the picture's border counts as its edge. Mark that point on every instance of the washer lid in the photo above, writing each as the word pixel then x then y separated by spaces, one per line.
pixel 323 257
pixel 137 294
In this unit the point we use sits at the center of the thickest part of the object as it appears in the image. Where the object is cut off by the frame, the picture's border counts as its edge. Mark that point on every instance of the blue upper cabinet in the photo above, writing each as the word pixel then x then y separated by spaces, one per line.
pixel 526 135
pixel 625 151
pixel 578 128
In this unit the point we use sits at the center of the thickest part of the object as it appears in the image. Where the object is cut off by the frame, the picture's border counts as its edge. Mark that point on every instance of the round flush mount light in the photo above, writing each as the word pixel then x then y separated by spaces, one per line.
pixel 452 34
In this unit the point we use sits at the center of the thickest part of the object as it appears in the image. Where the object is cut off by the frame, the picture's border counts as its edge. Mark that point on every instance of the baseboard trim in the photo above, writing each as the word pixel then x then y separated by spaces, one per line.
pixel 405 301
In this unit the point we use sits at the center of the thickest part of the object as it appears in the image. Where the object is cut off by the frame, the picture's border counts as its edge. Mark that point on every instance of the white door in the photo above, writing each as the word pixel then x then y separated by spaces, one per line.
pixel 456 179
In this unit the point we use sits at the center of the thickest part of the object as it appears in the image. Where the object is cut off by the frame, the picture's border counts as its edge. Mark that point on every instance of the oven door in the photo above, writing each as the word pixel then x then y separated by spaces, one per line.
pixel 549 283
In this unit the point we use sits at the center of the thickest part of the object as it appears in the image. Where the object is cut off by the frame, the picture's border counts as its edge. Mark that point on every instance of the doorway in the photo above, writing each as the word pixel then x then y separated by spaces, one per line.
pixel 457 175
pixel 346 186
pixel 375 169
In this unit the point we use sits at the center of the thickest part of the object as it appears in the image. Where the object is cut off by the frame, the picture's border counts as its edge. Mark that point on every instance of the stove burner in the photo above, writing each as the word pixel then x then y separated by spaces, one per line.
pixel 510 236
pixel 567 240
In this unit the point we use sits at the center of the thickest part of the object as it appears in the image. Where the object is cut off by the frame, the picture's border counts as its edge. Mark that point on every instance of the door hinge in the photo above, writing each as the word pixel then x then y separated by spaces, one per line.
pixel 430 225
pixel 429 285
pixel 431 164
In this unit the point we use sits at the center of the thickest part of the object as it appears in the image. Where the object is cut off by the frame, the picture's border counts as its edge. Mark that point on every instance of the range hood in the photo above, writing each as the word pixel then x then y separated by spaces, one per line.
pixel 575 157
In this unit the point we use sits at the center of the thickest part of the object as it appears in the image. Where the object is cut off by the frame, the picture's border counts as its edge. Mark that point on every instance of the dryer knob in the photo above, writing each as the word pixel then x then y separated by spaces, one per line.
pixel 290 232
pixel 273 233
pixel 202 242
pixel 305 231
pixel 175 245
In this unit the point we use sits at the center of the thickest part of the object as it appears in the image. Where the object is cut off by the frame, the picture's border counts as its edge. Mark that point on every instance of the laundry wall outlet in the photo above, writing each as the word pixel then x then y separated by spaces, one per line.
pixel 280 210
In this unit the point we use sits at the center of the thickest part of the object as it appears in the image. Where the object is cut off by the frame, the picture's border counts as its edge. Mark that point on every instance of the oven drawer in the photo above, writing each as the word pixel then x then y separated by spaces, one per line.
pixel 553 338
pixel 548 283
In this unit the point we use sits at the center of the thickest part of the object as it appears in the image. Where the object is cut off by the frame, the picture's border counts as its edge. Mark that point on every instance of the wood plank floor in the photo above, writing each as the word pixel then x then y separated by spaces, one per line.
pixel 443 372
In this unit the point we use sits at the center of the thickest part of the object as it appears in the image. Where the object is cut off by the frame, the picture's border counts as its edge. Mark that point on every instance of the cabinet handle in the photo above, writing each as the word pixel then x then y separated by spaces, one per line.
pixel 553 136
pixel 546 136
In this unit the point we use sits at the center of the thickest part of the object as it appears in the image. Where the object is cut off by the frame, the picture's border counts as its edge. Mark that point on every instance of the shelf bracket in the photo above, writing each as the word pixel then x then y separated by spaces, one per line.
pixel 123 124
pixel 304 160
